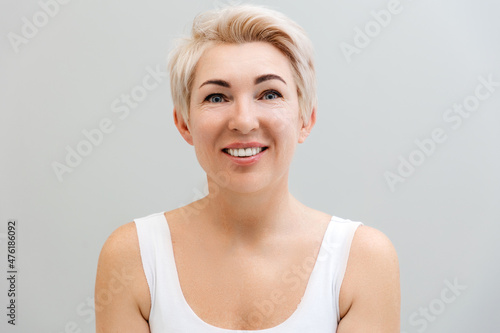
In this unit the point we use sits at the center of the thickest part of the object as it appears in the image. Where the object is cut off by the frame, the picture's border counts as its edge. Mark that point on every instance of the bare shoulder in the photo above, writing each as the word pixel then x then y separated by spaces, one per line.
pixel 123 240
pixel 370 243
pixel 370 292
pixel 121 291
pixel 121 250
pixel 372 260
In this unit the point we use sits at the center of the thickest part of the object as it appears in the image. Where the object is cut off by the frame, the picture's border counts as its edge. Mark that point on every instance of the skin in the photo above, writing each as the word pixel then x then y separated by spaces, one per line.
pixel 249 230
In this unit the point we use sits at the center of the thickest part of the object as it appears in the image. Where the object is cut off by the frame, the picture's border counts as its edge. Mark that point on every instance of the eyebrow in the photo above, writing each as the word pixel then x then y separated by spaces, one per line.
pixel 267 77
pixel 258 80
pixel 221 83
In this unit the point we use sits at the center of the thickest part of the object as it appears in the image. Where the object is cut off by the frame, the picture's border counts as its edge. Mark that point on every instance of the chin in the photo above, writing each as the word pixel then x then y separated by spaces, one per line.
pixel 250 184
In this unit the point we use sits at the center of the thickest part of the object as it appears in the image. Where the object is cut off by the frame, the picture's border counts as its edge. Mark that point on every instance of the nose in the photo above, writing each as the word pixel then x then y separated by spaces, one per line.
pixel 243 117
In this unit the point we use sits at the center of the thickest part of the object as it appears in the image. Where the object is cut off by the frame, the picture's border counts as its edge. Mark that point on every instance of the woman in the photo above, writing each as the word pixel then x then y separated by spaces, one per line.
pixel 248 256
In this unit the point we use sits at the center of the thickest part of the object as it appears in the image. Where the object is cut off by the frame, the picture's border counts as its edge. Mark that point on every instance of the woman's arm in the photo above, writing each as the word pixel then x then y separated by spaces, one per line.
pixel 121 291
pixel 370 291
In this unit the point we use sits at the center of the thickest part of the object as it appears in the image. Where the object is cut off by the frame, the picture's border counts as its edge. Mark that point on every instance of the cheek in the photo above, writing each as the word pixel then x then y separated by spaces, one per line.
pixel 285 123
pixel 286 138
pixel 201 127
pixel 204 132
pixel 278 121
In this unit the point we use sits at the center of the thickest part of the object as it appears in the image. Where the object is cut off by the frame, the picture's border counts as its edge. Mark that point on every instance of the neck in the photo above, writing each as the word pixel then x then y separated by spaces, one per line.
pixel 252 217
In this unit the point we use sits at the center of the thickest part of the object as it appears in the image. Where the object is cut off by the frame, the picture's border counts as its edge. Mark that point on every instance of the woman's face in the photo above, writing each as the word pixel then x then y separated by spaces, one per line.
pixel 244 116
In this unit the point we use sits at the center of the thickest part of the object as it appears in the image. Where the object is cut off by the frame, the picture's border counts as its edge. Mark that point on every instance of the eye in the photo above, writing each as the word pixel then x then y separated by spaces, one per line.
pixel 214 98
pixel 271 94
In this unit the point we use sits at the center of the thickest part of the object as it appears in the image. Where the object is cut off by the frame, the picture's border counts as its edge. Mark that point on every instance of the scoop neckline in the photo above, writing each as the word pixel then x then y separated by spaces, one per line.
pixel 282 325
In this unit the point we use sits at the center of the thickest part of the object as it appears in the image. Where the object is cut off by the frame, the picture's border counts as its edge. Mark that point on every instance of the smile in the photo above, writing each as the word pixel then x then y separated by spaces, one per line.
pixel 244 152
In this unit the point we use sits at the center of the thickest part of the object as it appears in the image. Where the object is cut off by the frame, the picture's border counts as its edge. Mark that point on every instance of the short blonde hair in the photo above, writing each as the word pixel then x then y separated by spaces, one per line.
pixel 237 24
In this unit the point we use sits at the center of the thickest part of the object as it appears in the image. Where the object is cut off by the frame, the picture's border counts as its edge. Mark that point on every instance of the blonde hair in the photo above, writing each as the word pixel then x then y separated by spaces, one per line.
pixel 237 24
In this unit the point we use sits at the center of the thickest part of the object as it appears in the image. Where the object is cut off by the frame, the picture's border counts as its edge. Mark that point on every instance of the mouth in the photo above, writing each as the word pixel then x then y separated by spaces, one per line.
pixel 244 152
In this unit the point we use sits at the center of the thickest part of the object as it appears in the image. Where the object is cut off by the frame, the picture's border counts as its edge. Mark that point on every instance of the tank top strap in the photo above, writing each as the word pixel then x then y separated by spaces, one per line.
pixel 159 267
pixel 334 252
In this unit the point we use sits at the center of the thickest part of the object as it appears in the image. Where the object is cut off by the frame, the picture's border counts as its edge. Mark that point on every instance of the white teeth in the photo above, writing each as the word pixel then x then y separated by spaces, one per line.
pixel 241 152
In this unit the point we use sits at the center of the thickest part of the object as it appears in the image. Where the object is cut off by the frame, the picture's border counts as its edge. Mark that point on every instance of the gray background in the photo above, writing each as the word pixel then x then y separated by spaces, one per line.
pixel 443 219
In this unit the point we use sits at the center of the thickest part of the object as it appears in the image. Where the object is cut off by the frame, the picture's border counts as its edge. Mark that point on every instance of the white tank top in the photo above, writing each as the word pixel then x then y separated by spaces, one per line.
pixel 317 312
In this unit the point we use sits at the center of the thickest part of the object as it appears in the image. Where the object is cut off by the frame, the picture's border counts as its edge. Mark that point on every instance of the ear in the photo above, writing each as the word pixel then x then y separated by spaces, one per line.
pixel 306 129
pixel 183 128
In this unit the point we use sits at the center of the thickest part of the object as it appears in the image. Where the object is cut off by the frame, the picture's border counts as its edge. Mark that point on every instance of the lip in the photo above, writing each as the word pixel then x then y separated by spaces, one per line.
pixel 252 144
pixel 245 161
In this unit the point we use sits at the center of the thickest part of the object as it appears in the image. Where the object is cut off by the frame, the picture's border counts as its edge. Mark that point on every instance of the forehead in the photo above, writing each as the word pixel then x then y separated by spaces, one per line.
pixel 240 62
